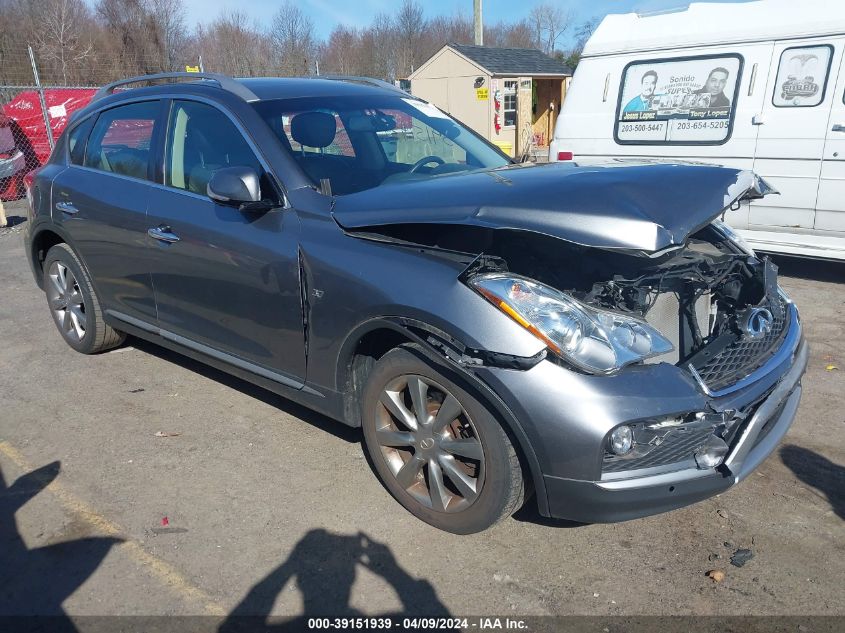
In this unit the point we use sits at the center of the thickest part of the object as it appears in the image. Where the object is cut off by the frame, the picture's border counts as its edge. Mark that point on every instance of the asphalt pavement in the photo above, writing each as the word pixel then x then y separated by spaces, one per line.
pixel 141 482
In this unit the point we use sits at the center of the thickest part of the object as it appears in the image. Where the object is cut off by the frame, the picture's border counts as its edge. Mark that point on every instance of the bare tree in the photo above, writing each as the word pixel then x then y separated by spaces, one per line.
pixel 410 26
pixel 550 23
pixel 292 34
pixel 169 22
pixel 339 55
pixel 234 45
pixel 60 39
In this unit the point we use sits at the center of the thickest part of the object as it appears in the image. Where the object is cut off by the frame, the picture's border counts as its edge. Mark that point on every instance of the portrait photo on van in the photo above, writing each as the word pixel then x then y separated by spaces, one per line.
pixel 678 100
pixel 802 76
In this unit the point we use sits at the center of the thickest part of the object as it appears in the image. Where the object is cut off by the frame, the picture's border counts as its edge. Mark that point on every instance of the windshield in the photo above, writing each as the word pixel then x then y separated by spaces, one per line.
pixel 349 144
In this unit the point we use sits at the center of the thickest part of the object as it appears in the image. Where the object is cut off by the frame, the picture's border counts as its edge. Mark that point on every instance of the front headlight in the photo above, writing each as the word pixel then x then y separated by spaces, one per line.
pixel 597 341
pixel 726 230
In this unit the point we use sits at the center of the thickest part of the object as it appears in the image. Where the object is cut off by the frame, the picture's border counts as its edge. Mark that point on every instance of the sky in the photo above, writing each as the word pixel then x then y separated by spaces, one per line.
pixel 359 13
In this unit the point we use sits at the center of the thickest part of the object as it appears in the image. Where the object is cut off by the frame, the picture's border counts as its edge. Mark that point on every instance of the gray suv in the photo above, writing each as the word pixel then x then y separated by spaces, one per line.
pixel 593 337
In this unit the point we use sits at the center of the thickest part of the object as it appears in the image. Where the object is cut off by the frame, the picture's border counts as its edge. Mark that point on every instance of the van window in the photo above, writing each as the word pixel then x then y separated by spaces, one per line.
pixel 678 101
pixel 802 76
pixel 120 141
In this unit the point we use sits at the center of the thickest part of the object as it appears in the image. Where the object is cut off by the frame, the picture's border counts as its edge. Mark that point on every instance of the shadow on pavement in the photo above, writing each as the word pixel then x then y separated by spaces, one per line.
pixel 529 513
pixel 819 472
pixel 813 269
pixel 324 566
pixel 322 422
pixel 36 581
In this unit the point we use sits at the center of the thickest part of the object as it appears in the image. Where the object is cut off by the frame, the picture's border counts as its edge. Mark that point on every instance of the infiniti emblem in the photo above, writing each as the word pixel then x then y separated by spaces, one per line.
pixel 759 322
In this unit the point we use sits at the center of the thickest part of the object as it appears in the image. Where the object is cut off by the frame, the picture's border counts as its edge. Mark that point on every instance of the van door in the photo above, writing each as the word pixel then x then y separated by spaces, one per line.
pixel 830 205
pixel 793 126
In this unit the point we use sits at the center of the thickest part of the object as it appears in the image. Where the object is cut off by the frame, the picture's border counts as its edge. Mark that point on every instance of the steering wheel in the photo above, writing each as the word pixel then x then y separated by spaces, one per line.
pixel 425 160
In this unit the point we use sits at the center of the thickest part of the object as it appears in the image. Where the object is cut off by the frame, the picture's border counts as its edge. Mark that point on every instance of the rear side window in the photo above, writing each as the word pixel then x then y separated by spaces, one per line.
pixel 678 101
pixel 201 140
pixel 802 76
pixel 77 139
pixel 121 138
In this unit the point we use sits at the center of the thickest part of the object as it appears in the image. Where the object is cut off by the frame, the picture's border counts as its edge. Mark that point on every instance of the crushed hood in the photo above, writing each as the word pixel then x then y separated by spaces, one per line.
pixel 639 207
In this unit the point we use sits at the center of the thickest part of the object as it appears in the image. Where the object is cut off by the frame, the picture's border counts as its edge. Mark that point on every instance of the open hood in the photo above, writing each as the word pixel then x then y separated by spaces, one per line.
pixel 640 208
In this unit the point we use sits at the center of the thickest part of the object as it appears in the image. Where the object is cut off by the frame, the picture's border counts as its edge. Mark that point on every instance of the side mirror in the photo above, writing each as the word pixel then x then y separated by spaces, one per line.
pixel 234 186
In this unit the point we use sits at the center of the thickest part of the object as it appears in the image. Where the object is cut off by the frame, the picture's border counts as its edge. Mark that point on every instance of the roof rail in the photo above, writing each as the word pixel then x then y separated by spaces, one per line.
pixel 224 81
pixel 364 80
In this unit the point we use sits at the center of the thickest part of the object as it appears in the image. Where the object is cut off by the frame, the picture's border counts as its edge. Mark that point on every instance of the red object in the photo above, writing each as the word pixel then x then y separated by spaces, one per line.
pixel 165 521
pixel 26 121
pixel 564 156
pixel 29 179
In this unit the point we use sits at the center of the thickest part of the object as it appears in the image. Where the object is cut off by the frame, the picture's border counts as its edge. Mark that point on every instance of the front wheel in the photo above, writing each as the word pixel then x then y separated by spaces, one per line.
pixel 439 451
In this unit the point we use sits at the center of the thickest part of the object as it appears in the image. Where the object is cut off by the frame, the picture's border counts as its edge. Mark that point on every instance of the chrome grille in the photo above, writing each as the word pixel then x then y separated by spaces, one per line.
pixel 744 356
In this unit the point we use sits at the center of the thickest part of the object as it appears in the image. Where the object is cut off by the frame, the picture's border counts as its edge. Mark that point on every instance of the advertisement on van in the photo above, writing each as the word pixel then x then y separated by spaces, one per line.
pixel 685 101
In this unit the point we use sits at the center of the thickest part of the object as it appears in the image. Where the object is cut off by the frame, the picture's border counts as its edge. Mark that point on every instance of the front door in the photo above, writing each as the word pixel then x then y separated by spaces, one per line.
pixel 793 128
pixel 226 281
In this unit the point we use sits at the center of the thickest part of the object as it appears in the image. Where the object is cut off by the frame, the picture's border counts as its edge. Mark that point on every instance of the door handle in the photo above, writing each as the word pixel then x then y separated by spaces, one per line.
pixel 162 234
pixel 757 119
pixel 838 127
pixel 67 207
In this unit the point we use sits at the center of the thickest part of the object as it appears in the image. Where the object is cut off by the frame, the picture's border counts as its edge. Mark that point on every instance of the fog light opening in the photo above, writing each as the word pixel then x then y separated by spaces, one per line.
pixel 711 454
pixel 621 440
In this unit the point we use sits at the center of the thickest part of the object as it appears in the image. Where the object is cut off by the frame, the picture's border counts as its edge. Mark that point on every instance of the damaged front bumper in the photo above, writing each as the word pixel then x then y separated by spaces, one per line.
pixel 571 430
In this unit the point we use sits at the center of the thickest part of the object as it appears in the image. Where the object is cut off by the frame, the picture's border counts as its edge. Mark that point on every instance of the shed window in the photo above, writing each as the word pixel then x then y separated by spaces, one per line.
pixel 509 103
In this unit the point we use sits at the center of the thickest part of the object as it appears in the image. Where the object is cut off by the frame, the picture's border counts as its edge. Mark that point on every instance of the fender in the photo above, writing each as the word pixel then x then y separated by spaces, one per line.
pixel 450 354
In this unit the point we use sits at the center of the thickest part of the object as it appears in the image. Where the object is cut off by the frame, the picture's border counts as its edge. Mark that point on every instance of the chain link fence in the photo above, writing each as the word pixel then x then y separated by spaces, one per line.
pixel 39 93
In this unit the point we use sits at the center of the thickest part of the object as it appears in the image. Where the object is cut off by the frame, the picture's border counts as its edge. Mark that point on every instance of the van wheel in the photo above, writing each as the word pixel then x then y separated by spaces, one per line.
pixel 74 304
pixel 439 451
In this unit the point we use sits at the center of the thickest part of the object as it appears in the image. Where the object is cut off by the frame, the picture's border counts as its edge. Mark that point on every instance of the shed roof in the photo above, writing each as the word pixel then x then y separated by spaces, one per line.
pixel 513 61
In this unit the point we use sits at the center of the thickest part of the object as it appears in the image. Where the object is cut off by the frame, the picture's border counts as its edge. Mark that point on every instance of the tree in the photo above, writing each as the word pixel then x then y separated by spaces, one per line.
pixel 550 23
pixel 60 40
pixel 410 26
pixel 295 46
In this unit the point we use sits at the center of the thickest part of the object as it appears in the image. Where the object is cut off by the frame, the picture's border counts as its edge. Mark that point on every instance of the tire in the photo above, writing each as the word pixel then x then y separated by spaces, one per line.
pixel 457 471
pixel 74 305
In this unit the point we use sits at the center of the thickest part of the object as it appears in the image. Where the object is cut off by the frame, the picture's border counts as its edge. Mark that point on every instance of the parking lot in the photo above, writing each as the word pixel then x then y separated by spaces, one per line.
pixel 140 482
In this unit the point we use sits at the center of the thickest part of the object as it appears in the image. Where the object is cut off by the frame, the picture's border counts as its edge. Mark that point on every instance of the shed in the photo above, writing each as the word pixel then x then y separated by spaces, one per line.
pixel 510 96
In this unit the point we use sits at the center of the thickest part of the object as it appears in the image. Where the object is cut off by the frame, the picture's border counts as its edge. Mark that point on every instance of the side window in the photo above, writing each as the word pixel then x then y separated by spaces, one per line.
pixel 678 101
pixel 201 139
pixel 802 76
pixel 120 140
pixel 77 139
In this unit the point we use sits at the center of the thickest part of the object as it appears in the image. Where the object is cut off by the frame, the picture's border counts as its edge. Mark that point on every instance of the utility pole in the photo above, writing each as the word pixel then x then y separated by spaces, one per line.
pixel 479 24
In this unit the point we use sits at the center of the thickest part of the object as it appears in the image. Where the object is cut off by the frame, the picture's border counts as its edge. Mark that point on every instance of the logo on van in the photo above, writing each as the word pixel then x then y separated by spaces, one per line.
pixel 795 88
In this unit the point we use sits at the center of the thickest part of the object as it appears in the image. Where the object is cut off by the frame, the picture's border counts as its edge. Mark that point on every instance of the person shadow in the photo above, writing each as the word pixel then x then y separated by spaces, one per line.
pixel 324 566
pixel 36 581
pixel 818 472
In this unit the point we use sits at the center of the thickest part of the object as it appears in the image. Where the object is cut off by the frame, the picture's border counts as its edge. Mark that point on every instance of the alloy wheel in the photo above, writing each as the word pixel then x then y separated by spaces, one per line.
pixel 66 301
pixel 430 443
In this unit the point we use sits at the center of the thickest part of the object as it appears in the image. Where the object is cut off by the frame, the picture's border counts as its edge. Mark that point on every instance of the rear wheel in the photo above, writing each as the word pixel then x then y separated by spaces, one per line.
pixel 439 451
pixel 74 305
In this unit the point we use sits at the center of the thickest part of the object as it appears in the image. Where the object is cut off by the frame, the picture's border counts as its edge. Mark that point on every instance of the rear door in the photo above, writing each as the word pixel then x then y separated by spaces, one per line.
pixel 226 281
pixel 100 201
pixel 830 205
pixel 793 127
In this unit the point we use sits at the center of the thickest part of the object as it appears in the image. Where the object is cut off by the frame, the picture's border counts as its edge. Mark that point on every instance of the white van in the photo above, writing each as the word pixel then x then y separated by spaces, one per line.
pixel 757 85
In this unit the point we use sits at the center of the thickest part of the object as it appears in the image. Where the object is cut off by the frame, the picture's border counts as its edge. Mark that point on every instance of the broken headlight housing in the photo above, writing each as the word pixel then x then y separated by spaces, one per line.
pixel 594 340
